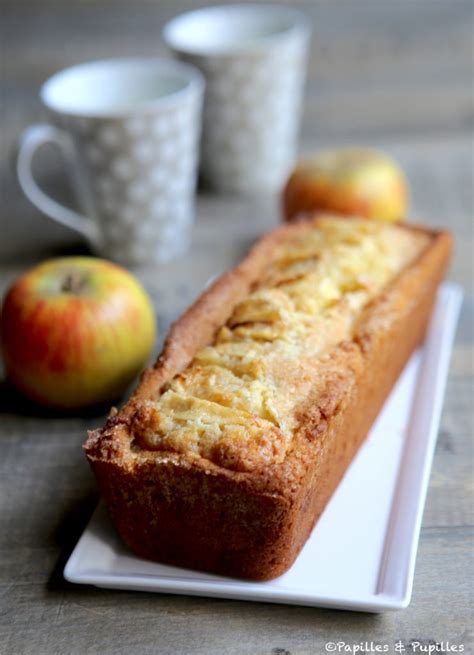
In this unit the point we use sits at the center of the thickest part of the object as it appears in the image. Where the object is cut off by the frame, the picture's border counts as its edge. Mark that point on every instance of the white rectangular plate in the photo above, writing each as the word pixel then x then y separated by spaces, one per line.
pixel 361 555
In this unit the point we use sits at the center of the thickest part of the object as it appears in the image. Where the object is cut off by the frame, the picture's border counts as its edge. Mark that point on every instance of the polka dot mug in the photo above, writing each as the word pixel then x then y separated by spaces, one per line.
pixel 254 58
pixel 129 132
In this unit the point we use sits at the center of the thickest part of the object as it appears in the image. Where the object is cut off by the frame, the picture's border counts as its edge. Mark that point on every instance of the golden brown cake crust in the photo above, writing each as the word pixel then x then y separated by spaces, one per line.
pixel 185 510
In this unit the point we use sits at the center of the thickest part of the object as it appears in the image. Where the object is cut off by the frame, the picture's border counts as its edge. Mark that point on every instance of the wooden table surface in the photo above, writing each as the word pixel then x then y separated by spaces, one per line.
pixel 392 74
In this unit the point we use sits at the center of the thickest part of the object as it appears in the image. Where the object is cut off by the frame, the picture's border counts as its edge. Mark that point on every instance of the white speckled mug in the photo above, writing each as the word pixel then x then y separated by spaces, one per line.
pixel 254 60
pixel 129 132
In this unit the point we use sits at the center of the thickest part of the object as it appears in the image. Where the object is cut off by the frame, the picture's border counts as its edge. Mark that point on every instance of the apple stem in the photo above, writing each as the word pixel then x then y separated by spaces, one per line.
pixel 73 283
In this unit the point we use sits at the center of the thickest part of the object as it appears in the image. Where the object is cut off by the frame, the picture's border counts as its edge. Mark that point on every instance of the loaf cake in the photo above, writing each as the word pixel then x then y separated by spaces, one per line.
pixel 231 446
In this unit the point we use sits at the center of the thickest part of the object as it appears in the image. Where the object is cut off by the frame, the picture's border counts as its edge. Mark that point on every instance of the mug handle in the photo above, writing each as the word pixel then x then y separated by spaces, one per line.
pixel 32 138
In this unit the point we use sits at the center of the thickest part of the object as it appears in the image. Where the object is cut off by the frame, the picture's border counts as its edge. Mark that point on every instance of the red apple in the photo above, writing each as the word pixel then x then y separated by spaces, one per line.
pixel 349 181
pixel 76 331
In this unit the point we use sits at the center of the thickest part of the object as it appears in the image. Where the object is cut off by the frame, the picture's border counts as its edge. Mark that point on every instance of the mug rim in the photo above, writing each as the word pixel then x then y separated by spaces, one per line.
pixel 193 80
pixel 298 24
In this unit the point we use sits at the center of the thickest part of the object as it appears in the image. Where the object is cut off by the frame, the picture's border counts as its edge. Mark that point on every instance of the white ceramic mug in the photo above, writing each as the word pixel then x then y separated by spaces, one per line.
pixel 129 133
pixel 254 60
